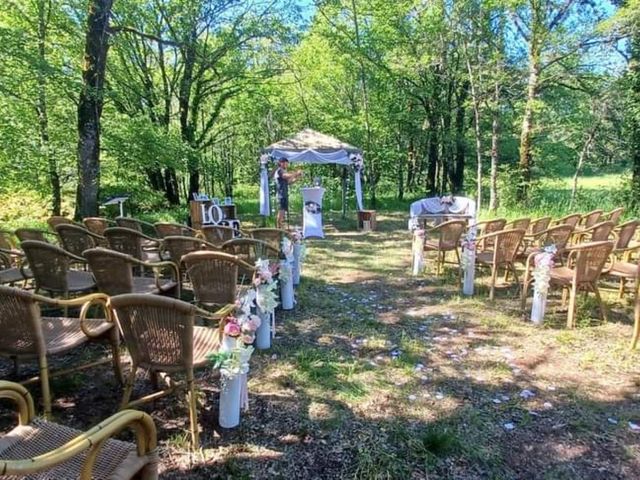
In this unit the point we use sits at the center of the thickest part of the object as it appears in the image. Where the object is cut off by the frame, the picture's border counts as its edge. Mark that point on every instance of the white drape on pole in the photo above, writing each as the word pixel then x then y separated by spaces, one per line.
pixel 265 208
pixel 358 188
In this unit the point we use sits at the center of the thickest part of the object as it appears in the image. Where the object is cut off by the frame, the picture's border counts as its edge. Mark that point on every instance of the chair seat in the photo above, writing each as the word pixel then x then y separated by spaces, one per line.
pixel 151 256
pixel 562 275
pixel 116 460
pixel 79 281
pixel 62 334
pixel 205 341
pixel 13 275
pixel 148 285
pixel 432 245
pixel 484 257
pixel 624 269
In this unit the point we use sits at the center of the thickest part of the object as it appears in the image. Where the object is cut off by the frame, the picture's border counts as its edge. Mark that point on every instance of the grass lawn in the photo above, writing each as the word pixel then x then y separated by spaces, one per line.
pixel 378 375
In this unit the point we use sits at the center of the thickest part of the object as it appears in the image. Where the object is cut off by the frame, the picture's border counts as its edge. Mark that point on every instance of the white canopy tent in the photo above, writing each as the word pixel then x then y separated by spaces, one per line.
pixel 309 146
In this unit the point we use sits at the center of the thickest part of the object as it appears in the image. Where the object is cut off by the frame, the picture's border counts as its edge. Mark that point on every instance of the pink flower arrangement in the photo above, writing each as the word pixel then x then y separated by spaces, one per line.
pixel 232 328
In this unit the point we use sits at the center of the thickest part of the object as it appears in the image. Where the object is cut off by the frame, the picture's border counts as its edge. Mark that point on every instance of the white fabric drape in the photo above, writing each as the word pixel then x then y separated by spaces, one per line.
pixel 265 208
pixel 434 205
pixel 340 157
pixel 358 188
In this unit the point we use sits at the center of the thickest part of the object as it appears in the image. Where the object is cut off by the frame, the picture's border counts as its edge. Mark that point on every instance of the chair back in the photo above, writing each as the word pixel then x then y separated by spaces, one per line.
pixel 601 231
pixel 450 233
pixel 625 233
pixel 112 270
pixel 614 215
pixel 558 236
pixel 32 234
pixel 250 250
pixel 591 218
pixel 213 276
pixel 179 246
pixel 518 223
pixel 158 331
pixel 56 220
pixel 218 234
pixel 96 225
pixel 491 226
pixel 20 323
pixel 173 229
pixel 75 239
pixel 125 240
pixel 539 225
pixel 49 265
pixel 589 260
pixel 273 236
pixel 506 245
pixel 571 219
pixel 136 224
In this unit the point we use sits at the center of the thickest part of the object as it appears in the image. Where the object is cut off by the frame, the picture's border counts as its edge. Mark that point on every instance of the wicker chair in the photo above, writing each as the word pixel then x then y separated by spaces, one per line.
pixel 113 272
pixel 599 232
pixel 177 247
pixel 36 234
pixel 518 223
pixel 558 236
pixel 26 335
pixel 636 323
pixel 161 337
pixel 487 227
pixel 273 236
pixel 538 225
pixel 250 250
pixel 134 243
pixel 588 220
pixel 174 229
pixel 135 224
pixel 572 219
pixel 584 267
pixel 98 225
pixel 503 254
pixel 12 269
pixel 56 220
pixel 214 277
pixel 51 269
pixel 38 449
pixel 77 239
pixel 445 238
pixel 218 234
pixel 614 215
pixel 624 235
pixel 7 240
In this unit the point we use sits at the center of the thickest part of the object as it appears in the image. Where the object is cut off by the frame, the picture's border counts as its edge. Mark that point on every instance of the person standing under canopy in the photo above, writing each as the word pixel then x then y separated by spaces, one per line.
pixel 283 179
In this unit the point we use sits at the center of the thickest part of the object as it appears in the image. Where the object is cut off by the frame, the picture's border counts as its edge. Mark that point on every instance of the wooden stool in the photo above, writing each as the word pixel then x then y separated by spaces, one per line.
pixel 366 220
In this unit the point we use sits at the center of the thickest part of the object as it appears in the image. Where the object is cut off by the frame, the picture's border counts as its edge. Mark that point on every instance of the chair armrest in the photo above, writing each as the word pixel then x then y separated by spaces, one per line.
pixel 21 397
pixel 92 440
pixel 87 301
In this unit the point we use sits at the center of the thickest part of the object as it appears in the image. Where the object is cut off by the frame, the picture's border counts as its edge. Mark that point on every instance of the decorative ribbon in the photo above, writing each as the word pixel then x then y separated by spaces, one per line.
pixel 543 262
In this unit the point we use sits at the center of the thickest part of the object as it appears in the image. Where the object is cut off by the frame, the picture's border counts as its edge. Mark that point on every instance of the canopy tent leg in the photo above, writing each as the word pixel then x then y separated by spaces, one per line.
pixel 344 192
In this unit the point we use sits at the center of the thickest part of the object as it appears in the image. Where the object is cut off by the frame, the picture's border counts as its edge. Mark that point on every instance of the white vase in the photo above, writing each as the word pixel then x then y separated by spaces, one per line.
pixel 286 287
pixel 418 258
pixel 469 272
pixel 538 307
pixel 228 343
pixel 229 414
pixel 263 334
pixel 295 273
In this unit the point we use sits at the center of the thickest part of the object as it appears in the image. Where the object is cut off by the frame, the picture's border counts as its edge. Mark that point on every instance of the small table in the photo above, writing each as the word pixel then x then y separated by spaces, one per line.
pixel 312 211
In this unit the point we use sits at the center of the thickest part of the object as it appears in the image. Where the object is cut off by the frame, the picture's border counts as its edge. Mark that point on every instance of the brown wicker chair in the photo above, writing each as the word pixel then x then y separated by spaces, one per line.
pixel 599 232
pixel 503 254
pixel 558 236
pixel 161 337
pixel 584 267
pixel 273 236
pixel 572 219
pixel 39 449
pixel 444 238
pixel 177 247
pixel 136 224
pixel 114 274
pixel 250 250
pixel 12 268
pixel 538 225
pixel 36 234
pixel 27 335
pixel 174 229
pixel 98 225
pixel 614 215
pixel 518 223
pixel 77 239
pixel 624 235
pixel 218 234
pixel 636 323
pixel 487 227
pixel 588 220
pixel 51 269
pixel 134 243
pixel 56 220
pixel 214 277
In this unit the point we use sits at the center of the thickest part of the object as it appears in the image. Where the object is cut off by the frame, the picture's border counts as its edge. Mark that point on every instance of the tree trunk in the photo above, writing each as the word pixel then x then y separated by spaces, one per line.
pixel 475 101
pixel 184 105
pixel 90 107
pixel 41 109
pixel 526 134
pixel 581 159
pixel 634 115
pixel 457 179
pixel 495 150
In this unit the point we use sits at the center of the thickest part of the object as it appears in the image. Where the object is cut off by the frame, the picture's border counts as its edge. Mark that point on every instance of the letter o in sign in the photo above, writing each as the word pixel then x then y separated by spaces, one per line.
pixel 215 214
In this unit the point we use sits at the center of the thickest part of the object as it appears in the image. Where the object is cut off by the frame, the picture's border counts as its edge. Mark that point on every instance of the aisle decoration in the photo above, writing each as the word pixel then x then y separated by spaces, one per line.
pixel 543 263
pixel 266 301
pixel 358 166
pixel 299 252
pixel 468 263
pixel 417 250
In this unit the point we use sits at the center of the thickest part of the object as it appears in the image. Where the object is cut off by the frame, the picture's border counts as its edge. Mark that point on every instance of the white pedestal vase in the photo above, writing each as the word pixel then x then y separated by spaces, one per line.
pixel 538 307
pixel 286 286
pixel 295 271
pixel 417 251
pixel 469 272
pixel 229 415
pixel 263 334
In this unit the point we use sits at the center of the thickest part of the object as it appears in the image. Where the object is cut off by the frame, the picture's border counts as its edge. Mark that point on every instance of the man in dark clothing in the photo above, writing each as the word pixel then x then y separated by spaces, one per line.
pixel 283 179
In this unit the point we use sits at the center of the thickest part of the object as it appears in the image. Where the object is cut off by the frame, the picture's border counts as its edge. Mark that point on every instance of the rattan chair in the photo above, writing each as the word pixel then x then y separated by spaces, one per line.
pixel 218 234
pixel 273 236
pixel 162 338
pixel 588 220
pixel 36 234
pixel 505 245
pixel 51 269
pixel 250 250
pixel 177 247
pixel 558 236
pixel 214 277
pixel 77 239
pixel 134 243
pixel 136 224
pixel 174 229
pixel 98 225
pixel 517 224
pixel 12 268
pixel 584 267
pixel 114 274
pixel 487 227
pixel 614 215
pixel 624 235
pixel 444 238
pixel 572 219
pixel 538 225
pixel 41 450
pixel 56 220
pixel 26 335
pixel 600 232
